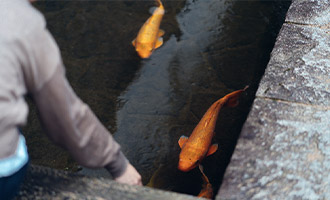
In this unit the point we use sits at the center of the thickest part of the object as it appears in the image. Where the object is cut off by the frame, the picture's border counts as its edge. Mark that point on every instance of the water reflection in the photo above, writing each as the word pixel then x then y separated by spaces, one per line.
pixel 210 49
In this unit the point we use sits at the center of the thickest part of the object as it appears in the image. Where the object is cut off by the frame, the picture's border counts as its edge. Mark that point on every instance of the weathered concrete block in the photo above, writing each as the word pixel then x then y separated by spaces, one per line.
pixel 298 70
pixel 283 153
pixel 316 12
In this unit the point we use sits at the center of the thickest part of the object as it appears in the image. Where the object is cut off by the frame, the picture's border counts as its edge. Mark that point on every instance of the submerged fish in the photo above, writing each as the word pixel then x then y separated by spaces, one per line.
pixel 165 177
pixel 195 148
pixel 156 180
pixel 207 190
pixel 149 37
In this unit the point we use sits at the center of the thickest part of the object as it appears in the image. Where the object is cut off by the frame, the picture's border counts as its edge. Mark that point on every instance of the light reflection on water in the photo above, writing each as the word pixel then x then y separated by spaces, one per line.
pixel 210 49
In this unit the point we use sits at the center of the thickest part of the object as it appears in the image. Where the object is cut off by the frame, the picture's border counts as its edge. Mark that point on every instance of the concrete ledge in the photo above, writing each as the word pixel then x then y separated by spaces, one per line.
pixel 284 148
pixel 47 183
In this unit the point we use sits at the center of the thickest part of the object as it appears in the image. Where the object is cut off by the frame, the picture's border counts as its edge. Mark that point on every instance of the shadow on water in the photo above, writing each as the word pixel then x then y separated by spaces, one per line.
pixel 210 49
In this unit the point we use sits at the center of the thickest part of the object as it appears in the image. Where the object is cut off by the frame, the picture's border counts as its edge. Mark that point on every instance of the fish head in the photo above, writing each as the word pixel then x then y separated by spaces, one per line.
pixel 187 161
pixel 144 50
pixel 186 165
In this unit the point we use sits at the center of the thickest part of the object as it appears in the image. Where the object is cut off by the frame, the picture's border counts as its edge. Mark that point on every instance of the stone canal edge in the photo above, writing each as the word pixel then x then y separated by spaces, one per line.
pixel 284 148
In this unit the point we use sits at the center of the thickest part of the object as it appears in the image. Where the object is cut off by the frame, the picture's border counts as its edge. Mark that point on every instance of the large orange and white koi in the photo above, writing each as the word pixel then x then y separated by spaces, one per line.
pixel 195 148
pixel 149 37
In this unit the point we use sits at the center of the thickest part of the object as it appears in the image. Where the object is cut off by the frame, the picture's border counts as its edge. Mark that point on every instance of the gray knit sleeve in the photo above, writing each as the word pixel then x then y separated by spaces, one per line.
pixel 68 121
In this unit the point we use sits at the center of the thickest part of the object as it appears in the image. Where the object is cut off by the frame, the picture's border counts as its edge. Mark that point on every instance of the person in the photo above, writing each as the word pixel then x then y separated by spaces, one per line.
pixel 30 63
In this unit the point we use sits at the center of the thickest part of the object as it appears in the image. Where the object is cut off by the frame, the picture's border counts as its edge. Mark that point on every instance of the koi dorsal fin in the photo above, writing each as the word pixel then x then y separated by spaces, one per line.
pixel 182 141
pixel 213 148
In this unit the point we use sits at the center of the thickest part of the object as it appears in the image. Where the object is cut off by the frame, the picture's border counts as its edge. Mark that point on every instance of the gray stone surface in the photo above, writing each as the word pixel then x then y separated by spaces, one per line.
pixel 47 183
pixel 284 148
pixel 299 67
pixel 283 153
pixel 313 12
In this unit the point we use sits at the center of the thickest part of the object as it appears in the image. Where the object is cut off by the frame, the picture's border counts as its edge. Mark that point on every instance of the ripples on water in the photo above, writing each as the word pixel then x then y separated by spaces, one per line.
pixel 210 49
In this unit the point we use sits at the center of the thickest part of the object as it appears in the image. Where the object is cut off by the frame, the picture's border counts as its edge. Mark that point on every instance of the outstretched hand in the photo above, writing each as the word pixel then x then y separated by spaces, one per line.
pixel 130 176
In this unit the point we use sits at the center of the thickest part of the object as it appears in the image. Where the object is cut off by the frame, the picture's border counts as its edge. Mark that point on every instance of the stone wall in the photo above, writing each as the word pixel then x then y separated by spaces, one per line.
pixel 284 148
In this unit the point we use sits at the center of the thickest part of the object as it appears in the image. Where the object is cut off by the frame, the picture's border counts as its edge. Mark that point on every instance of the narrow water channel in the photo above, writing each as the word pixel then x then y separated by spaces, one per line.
pixel 211 47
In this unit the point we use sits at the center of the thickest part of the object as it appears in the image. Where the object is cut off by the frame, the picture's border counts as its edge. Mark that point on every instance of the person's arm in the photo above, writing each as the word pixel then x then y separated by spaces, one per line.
pixel 70 123
pixel 67 120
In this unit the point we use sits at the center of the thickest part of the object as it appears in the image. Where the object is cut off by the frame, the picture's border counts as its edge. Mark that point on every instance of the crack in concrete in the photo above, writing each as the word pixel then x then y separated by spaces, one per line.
pixel 294 102
pixel 326 27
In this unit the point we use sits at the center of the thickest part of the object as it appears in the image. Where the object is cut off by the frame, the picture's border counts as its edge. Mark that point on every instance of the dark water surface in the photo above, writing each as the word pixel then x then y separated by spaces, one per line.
pixel 211 48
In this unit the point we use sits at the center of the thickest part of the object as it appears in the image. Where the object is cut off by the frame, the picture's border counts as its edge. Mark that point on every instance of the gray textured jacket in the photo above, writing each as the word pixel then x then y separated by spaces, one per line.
pixel 30 62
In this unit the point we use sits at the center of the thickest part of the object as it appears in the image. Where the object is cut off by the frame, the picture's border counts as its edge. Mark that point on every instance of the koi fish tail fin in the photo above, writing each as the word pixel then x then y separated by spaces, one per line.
pixel 201 169
pixel 233 97
pixel 207 189
pixel 159 3
pixel 160 9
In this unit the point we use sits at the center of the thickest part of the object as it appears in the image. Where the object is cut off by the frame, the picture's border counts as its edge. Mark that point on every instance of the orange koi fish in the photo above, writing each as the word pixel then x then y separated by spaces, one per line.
pixel 195 148
pixel 207 190
pixel 149 37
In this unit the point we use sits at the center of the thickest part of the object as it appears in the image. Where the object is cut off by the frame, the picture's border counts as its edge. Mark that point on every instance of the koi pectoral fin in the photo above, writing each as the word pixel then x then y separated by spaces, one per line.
pixel 182 141
pixel 159 42
pixel 234 96
pixel 213 148
pixel 161 32
pixel 133 42
pixel 233 99
pixel 232 102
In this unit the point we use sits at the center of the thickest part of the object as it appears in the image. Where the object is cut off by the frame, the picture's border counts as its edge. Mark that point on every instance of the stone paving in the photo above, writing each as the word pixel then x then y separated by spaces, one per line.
pixel 284 148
